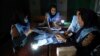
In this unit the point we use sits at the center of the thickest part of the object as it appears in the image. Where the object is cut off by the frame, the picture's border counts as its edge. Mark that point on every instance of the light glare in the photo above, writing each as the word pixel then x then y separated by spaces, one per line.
pixel 62 21
pixel 34 46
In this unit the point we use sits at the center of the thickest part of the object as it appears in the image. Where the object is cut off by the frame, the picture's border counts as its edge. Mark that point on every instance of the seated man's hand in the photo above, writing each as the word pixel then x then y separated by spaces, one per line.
pixel 60 38
pixel 55 24
pixel 28 32
pixel 68 34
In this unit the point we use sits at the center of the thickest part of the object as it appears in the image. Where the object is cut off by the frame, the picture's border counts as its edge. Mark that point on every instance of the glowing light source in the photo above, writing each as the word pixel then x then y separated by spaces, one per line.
pixel 34 46
pixel 62 21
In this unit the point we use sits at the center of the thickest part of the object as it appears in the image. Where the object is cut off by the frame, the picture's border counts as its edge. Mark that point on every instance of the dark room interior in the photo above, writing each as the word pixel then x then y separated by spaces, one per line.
pixel 36 10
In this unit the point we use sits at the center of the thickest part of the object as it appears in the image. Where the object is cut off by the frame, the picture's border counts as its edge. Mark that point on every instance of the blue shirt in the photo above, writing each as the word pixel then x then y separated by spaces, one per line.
pixel 22 29
pixel 56 18
pixel 74 26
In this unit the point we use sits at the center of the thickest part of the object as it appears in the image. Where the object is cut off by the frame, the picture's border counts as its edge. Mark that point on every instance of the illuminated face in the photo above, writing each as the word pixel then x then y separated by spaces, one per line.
pixel 80 21
pixel 53 11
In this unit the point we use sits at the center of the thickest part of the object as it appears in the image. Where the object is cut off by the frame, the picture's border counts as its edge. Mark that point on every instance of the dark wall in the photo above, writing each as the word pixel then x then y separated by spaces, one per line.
pixel 45 4
pixel 22 5
pixel 7 10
